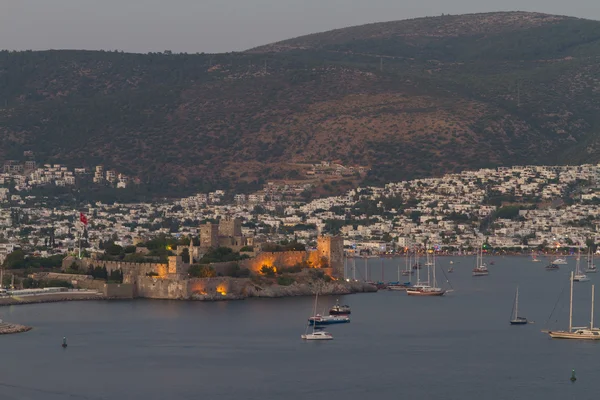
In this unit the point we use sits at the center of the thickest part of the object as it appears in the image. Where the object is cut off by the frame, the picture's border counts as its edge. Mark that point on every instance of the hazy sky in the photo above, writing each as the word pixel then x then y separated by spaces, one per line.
pixel 222 25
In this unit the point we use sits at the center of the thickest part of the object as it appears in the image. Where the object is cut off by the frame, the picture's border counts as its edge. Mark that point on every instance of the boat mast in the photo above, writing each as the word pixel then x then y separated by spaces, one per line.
pixel 571 306
pixel 592 316
pixel 517 303
pixel 433 266
pixel 417 264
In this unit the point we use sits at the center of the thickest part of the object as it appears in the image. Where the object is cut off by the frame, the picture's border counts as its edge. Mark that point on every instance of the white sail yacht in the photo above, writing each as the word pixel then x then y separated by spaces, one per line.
pixel 424 289
pixel 515 319
pixel 581 333
pixel 480 267
pixel 579 276
pixel 591 268
pixel 316 334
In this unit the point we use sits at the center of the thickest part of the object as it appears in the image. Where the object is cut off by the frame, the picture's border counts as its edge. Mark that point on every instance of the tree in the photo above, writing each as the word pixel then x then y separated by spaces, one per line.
pixel 185 255
pixel 202 271
pixel 15 260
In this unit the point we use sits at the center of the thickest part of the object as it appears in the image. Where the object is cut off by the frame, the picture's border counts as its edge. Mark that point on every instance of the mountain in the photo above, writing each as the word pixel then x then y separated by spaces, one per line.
pixel 407 98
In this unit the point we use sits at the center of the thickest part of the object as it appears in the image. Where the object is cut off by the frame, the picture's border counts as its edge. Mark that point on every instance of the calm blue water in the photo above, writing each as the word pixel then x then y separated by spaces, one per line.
pixel 460 346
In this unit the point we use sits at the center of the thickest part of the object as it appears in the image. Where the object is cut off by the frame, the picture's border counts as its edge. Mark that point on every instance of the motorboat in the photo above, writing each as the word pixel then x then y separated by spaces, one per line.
pixel 552 267
pixel 317 335
pixel 560 261
pixel 338 309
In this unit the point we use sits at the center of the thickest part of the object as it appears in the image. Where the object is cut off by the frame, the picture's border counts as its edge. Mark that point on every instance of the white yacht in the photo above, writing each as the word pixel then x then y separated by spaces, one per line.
pixel 560 261
pixel 581 333
pixel 317 335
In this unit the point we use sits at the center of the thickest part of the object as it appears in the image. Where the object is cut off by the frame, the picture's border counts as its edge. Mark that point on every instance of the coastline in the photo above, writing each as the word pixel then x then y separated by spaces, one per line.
pixel 8 328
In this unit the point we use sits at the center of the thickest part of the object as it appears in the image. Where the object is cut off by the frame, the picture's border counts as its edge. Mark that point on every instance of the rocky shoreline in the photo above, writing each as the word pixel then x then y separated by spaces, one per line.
pixel 6 328
pixel 294 290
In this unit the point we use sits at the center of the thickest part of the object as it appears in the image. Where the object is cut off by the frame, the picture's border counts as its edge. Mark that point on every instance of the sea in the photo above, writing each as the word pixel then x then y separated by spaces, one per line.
pixel 459 346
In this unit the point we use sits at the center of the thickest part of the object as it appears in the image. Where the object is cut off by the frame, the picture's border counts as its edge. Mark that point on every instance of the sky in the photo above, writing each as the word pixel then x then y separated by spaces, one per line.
pixel 213 26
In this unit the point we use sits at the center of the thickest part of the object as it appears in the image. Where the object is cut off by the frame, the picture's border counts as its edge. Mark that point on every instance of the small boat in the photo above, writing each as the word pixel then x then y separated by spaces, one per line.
pixel 560 261
pixel 581 333
pixel 317 335
pixel 328 319
pixel 338 309
pixel 450 270
pixel 492 263
pixel 552 267
pixel 534 257
pixel 407 273
pixel 515 319
pixel 451 262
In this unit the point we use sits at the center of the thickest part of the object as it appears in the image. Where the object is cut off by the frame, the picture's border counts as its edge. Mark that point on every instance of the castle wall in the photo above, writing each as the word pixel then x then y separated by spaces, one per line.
pixel 118 290
pixel 159 288
pixel 283 259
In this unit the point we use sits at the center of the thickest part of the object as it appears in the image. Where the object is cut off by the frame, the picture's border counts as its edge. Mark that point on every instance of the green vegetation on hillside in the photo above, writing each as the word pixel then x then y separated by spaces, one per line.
pixel 409 98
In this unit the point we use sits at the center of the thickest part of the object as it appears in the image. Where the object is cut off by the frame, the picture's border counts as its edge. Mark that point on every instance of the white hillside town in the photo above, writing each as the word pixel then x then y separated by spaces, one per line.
pixel 520 208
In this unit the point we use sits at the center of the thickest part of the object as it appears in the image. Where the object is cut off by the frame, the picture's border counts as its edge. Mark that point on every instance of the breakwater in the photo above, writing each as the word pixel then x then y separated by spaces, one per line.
pixel 49 298
pixel 6 328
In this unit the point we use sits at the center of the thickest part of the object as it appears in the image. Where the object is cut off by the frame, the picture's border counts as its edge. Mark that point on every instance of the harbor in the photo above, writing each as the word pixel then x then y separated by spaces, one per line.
pixel 258 340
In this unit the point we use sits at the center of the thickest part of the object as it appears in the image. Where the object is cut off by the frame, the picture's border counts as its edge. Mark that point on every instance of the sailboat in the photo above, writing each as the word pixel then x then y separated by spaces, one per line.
pixel 582 333
pixel 480 267
pixel 424 289
pixel 514 318
pixel 579 276
pixel 591 268
pixel 316 334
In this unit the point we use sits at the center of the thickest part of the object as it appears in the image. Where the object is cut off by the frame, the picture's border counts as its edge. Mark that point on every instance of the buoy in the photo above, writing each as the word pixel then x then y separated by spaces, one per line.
pixel 64 344
pixel 573 377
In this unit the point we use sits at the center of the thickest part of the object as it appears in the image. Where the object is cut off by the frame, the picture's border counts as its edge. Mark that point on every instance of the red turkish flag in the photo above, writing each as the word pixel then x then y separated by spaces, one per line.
pixel 82 218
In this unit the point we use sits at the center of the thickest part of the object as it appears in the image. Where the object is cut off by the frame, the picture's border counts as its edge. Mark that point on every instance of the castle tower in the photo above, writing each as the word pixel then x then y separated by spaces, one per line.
pixel 332 248
pixel 192 250
pixel 175 267
pixel 230 227
pixel 209 236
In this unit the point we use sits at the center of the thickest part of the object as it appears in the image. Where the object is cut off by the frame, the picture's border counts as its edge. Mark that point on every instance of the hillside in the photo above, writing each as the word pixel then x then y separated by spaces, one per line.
pixel 408 98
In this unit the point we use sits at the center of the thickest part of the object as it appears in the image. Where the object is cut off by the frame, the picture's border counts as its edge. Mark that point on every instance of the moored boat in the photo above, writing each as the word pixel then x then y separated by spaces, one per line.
pixel 317 335
pixel 328 319
pixel 580 333
pixel 552 267
pixel 480 267
pixel 560 261
pixel 515 319
pixel 338 309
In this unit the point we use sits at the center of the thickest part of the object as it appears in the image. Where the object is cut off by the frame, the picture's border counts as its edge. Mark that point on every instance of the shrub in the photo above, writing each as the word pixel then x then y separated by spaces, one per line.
pixel 285 280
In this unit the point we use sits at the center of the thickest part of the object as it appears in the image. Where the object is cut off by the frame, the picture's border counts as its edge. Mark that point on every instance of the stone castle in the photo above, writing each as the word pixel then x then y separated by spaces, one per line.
pixel 171 279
